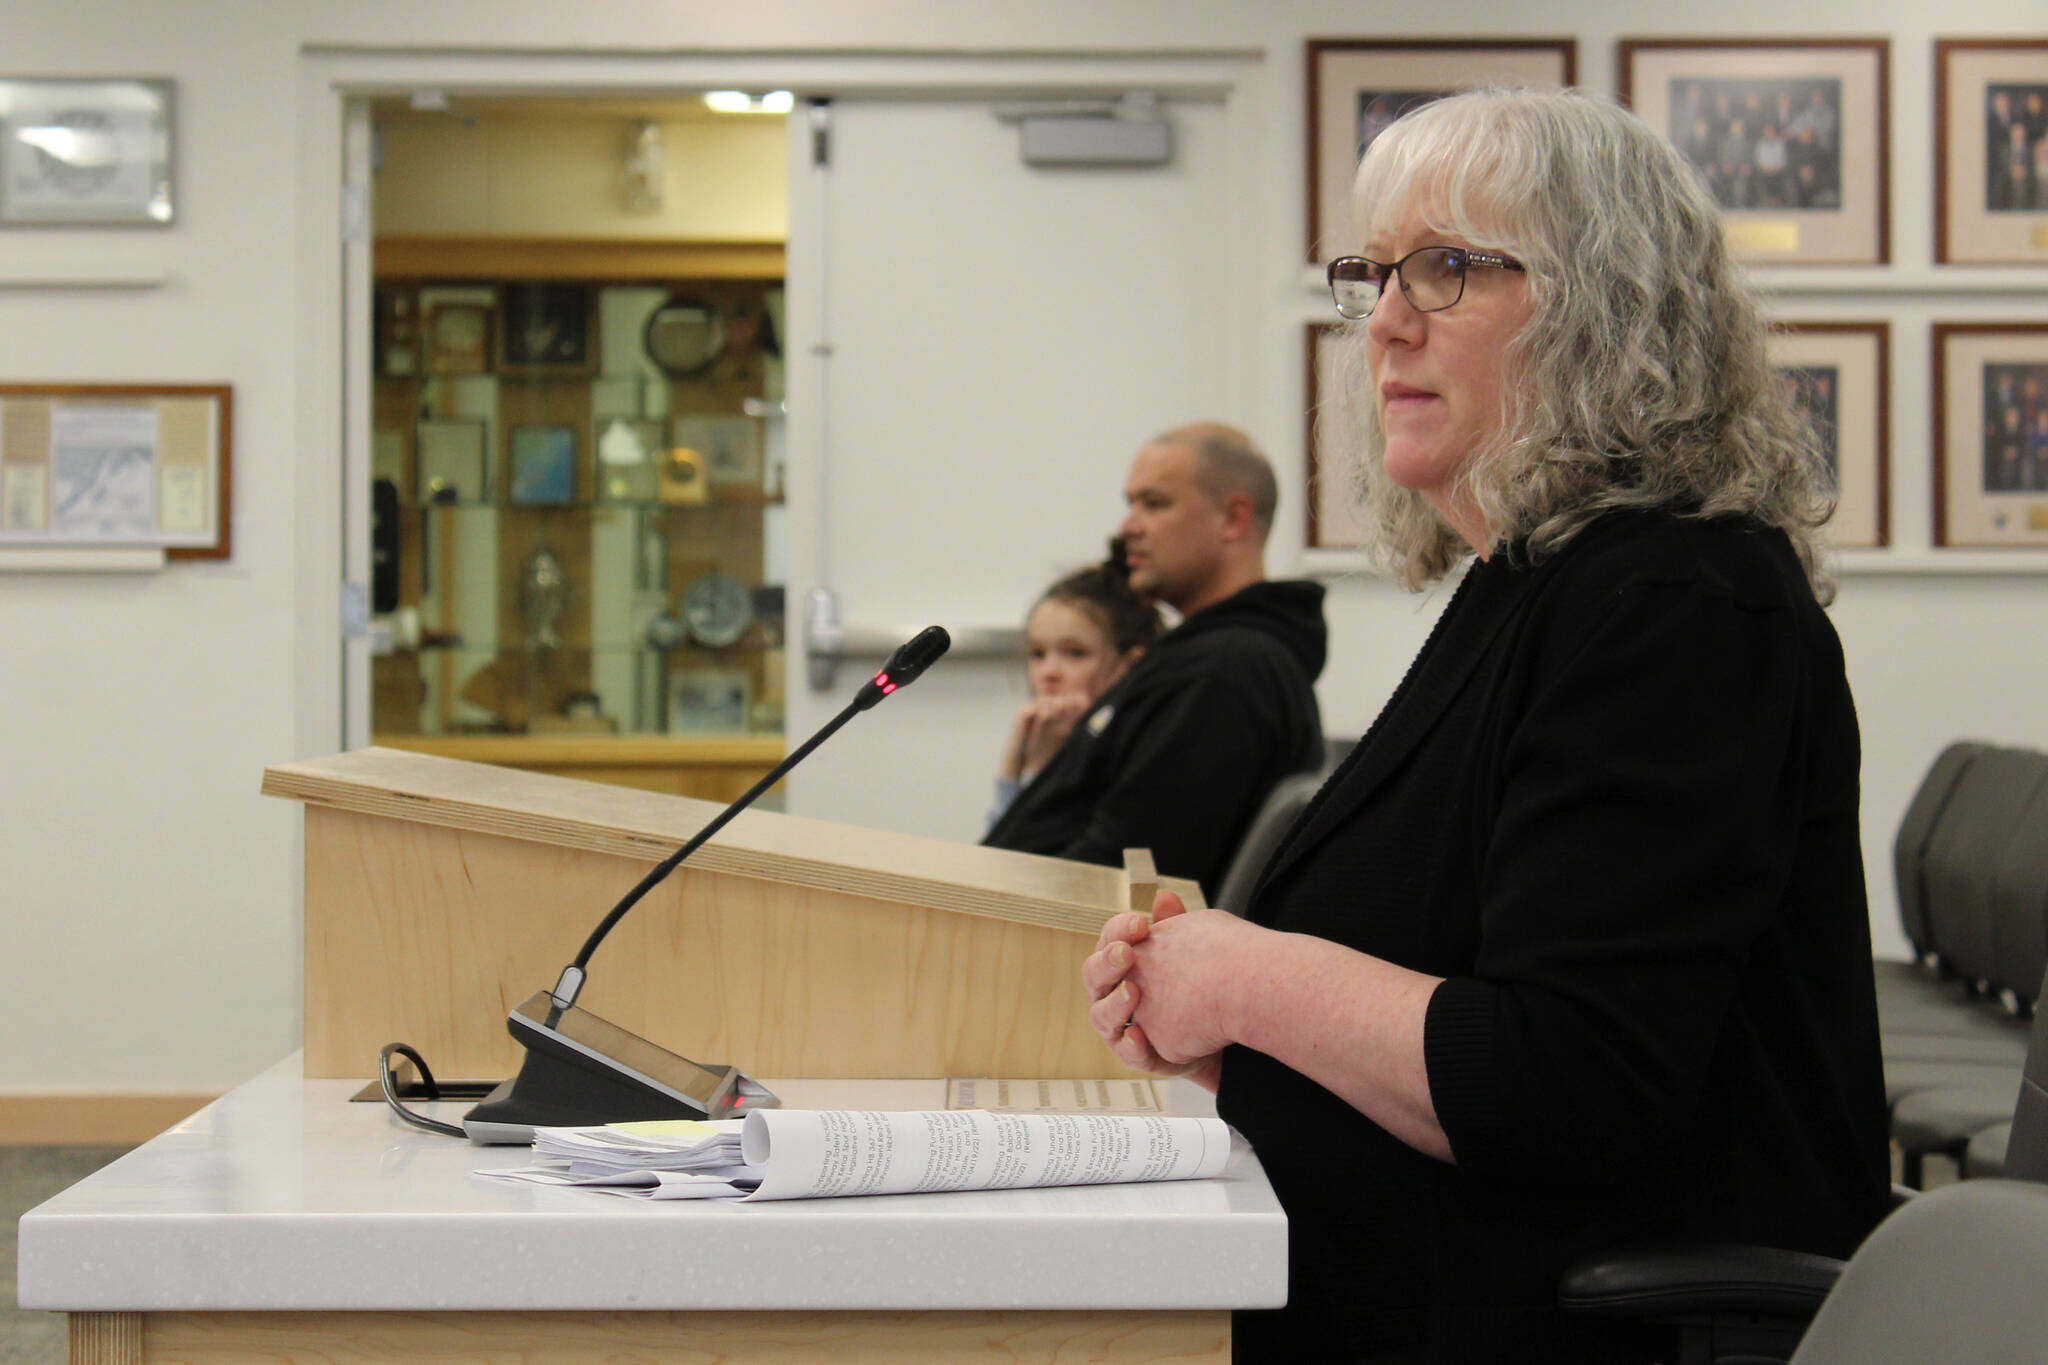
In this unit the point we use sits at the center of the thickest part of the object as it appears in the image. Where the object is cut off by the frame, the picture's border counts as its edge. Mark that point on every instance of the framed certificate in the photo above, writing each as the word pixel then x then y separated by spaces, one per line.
pixel 85 152
pixel 117 465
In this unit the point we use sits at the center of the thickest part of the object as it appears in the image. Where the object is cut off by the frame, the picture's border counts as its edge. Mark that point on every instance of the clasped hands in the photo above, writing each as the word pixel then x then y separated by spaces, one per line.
pixel 1164 991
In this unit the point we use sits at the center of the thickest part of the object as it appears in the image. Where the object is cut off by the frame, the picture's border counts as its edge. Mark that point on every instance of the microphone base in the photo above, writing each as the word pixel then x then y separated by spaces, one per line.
pixel 581 1070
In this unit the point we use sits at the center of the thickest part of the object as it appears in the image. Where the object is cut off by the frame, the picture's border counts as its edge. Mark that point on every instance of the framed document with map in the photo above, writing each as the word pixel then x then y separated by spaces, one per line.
pixel 116 466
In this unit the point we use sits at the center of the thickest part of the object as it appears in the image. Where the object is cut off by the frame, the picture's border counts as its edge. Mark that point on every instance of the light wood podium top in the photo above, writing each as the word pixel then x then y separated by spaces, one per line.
pixel 766 845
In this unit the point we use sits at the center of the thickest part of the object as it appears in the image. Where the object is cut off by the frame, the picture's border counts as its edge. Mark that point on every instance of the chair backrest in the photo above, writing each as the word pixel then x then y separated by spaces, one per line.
pixel 2019 900
pixel 1289 797
pixel 2026 1150
pixel 1952 1276
pixel 1916 826
pixel 1981 817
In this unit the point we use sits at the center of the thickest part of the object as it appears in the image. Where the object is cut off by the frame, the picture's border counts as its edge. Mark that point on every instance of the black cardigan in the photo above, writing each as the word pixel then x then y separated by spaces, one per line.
pixel 1614 805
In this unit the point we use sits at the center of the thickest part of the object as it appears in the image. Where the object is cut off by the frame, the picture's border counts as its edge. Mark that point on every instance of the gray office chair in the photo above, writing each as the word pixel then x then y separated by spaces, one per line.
pixel 2019 1150
pixel 1953 1276
pixel 1950 1117
pixel 1909 851
pixel 1288 799
pixel 1731 1303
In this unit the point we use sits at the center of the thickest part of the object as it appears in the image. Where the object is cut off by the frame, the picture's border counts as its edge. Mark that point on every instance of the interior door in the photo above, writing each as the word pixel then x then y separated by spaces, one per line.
pixel 977 348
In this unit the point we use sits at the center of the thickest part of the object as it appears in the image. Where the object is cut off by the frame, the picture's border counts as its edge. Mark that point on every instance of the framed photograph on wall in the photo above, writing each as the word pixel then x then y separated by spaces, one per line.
pixel 1333 444
pixel 1838 375
pixel 85 152
pixel 1991 150
pixel 544 329
pixel 1791 135
pixel 1991 433
pixel 1357 86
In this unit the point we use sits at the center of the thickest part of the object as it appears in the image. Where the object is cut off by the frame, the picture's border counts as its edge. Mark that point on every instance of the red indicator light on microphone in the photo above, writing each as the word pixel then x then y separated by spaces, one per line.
pixel 887 688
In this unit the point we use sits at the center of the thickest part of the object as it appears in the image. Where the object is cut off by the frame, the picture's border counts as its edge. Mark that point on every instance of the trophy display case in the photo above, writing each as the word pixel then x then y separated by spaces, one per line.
pixel 577 493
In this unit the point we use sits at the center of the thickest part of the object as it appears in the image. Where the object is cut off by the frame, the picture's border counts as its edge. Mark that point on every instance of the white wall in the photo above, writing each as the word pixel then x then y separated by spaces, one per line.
pixel 148 896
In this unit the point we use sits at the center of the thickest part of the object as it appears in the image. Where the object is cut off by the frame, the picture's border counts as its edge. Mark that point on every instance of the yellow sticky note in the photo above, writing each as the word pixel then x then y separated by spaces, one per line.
pixel 668 1128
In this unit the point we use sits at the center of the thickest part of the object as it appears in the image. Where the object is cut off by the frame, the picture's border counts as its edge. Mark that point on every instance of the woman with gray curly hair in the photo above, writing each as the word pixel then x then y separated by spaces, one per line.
pixel 1574 948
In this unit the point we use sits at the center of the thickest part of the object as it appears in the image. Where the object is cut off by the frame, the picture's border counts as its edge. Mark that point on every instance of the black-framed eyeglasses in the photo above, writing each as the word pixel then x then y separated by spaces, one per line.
pixel 1432 278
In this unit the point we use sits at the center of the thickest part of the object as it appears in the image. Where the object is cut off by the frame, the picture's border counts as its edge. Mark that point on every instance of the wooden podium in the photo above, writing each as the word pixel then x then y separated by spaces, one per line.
pixel 852 967
pixel 440 893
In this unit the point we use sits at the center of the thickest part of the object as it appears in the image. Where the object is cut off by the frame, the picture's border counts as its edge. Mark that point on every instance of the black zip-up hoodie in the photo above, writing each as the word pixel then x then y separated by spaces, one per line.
pixel 1179 754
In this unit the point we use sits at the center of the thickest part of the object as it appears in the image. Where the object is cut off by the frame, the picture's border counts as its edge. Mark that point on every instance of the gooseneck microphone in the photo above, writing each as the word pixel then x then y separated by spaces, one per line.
pixel 580 1069
pixel 903 668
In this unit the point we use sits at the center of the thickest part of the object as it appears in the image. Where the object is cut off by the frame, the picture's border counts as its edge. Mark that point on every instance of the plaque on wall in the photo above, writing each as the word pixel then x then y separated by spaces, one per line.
pixel 75 152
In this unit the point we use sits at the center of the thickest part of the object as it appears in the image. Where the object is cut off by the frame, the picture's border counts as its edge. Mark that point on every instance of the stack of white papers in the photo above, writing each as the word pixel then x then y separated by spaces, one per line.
pixel 822 1153
pixel 668 1160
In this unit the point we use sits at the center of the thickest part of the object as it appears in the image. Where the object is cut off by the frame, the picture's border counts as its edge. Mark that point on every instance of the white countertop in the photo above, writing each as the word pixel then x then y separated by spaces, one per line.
pixel 283 1195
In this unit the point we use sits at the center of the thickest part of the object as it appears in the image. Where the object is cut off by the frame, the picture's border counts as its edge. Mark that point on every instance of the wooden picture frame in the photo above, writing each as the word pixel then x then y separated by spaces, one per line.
pixel 1839 374
pixel 458 338
pixel 1355 85
pixel 1815 191
pixel 1991 434
pixel 1332 443
pixel 544 330
pixel 125 465
pixel 1991 151
pixel 86 152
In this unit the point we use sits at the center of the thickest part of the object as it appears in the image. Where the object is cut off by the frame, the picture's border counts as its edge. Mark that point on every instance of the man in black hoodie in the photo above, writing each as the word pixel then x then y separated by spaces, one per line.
pixel 1178 755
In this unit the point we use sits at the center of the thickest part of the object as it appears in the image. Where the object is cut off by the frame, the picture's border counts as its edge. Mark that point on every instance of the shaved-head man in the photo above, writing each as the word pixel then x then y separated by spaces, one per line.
pixel 1179 754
